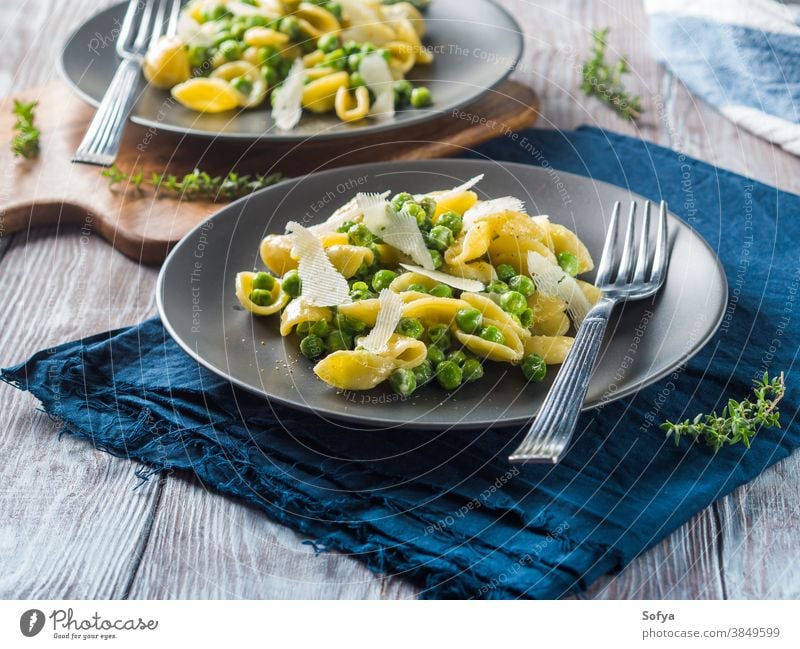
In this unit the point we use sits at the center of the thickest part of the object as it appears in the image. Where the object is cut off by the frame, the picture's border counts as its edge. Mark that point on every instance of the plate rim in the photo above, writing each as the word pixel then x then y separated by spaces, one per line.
pixel 366 131
pixel 460 425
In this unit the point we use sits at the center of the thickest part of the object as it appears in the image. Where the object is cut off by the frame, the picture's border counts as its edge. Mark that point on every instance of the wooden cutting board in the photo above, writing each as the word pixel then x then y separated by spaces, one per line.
pixel 51 190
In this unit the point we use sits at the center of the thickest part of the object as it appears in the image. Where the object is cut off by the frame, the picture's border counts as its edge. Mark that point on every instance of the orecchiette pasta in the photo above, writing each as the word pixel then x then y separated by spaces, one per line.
pixel 230 54
pixel 408 324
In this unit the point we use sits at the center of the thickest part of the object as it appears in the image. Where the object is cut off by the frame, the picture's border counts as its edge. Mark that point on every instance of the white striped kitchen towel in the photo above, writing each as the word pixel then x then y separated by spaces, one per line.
pixel 741 56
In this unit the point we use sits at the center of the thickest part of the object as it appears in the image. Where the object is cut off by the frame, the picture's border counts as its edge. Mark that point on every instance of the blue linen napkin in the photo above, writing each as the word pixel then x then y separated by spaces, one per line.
pixel 741 56
pixel 446 509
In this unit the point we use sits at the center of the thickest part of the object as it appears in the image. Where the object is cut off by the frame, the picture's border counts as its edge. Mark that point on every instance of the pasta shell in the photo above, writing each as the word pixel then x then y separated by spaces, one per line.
pixel 166 63
pixel 276 253
pixel 354 370
pixel 434 310
pixel 556 325
pixel 319 96
pixel 348 259
pixel 565 240
pixel 553 349
pixel 244 287
pixel 206 95
pixel 406 352
pixel 300 311
pixel 481 271
pixel 458 203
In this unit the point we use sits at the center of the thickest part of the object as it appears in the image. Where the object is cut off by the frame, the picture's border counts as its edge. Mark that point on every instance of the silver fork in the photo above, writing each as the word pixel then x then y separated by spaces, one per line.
pixel 149 20
pixel 630 279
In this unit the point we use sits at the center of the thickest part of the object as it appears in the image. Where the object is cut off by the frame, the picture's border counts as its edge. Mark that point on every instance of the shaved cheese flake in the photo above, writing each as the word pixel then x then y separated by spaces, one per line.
pixel 390 310
pixel 465 187
pixel 323 285
pixel 398 229
pixel 378 77
pixel 551 280
pixel 460 283
pixel 287 109
pixel 350 211
pixel 494 206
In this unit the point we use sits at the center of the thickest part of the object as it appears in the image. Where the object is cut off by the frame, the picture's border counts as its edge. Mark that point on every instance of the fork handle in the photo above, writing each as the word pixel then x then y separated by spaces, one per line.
pixel 555 422
pixel 101 143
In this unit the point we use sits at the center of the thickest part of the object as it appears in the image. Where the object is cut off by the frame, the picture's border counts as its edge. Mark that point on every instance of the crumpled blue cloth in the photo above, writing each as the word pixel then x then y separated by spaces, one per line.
pixel 741 56
pixel 446 509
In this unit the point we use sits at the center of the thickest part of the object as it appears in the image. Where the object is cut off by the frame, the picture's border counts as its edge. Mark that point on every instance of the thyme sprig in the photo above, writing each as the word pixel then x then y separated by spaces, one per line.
pixel 604 80
pixel 739 421
pixel 25 142
pixel 197 185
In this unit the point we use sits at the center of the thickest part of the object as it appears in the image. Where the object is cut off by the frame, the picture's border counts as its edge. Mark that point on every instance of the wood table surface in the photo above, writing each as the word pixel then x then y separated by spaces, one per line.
pixel 73 526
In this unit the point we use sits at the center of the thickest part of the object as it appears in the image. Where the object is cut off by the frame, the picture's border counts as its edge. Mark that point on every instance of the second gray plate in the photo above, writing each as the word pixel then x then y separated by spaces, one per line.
pixel 646 340
pixel 472 54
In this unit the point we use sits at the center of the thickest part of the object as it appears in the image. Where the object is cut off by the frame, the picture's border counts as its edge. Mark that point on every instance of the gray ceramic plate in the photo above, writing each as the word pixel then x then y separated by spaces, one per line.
pixel 646 341
pixel 472 54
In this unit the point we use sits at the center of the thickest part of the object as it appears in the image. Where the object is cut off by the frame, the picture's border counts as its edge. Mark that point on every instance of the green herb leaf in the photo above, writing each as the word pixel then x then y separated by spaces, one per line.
pixel 197 185
pixel 604 81
pixel 739 421
pixel 26 141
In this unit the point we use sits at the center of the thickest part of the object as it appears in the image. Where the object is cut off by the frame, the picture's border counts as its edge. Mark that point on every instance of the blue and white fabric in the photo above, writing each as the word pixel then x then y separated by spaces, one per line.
pixel 741 56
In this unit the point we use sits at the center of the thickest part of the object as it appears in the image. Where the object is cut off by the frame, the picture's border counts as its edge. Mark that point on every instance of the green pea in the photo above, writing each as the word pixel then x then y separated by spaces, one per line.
pixel 513 302
pixel 458 357
pixel 522 284
pixel 435 355
pixel 429 205
pixel 349 325
pixel 423 372
pixel 569 263
pixel 410 327
pixel 497 286
pixel 267 54
pixel 337 58
pixel 416 210
pixel 436 258
pixel 261 297
pixel 238 29
pixel 417 288
pixel 359 286
pixel 357 80
pixel 469 320
pixel 398 200
pixel 264 281
pixel 366 48
pixel 303 329
pixel 493 335
pixel 197 55
pixel 451 221
pixel 328 43
pixel 382 279
pixel 363 273
pixel 270 75
pixel 472 370
pixel 354 61
pixel 218 12
pixel 534 368
pixel 526 318
pixel 441 290
pixel 230 49
pixel 319 328
pixel 291 27
pixel 439 238
pixel 402 93
pixel 439 335
pixel 421 97
pixel 351 47
pixel 242 84
pixel 359 235
pixel 403 382
pixel 338 341
pixel 344 227
pixel 312 346
pixel 291 284
pixel 256 21
pixel 359 295
pixel 335 8
pixel 449 375
pixel 505 272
